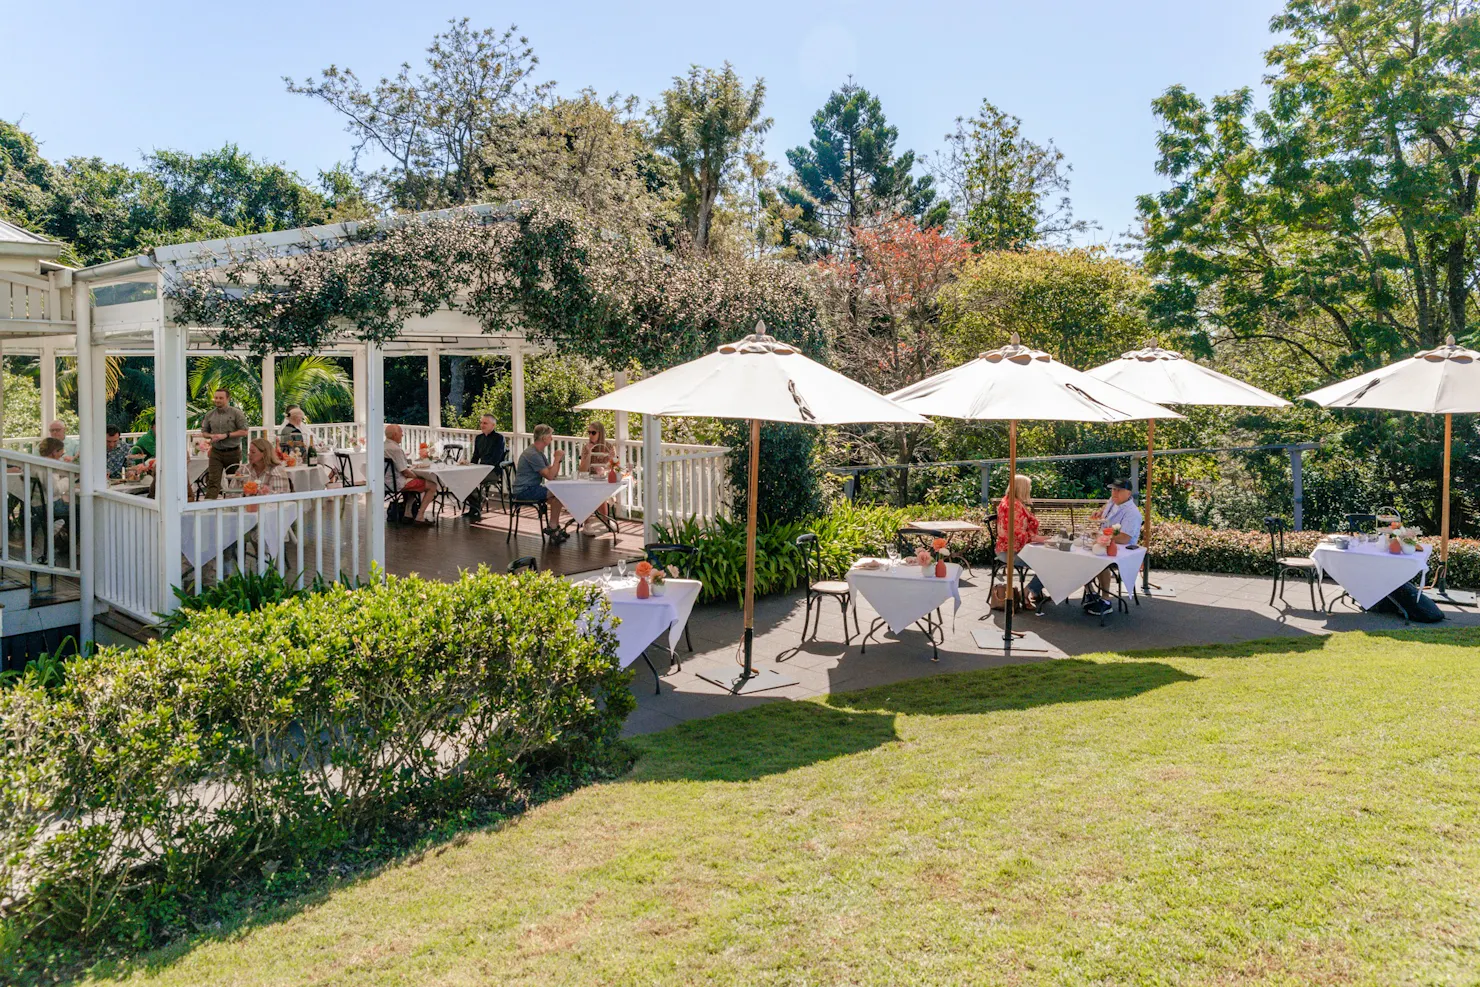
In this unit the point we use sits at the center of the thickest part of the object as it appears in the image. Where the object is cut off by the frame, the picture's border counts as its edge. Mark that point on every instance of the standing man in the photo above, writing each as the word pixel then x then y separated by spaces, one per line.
pixel 489 449
pixel 1120 509
pixel 226 427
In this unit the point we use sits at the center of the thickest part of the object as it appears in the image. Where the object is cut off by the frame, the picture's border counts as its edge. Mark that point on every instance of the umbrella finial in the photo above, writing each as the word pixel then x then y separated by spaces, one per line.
pixel 1015 341
pixel 1449 340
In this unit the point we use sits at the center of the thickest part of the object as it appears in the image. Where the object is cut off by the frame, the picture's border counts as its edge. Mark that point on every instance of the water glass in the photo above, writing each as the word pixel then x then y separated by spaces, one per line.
pixel 893 552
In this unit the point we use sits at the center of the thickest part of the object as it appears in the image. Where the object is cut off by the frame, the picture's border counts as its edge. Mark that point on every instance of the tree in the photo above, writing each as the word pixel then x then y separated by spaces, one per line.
pixel 318 384
pixel 705 123
pixel 1338 224
pixel 895 285
pixel 848 177
pixel 1000 184
pixel 447 131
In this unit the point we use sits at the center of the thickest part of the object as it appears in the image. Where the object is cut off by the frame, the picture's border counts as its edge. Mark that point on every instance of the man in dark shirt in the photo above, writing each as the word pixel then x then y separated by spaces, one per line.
pixel 489 449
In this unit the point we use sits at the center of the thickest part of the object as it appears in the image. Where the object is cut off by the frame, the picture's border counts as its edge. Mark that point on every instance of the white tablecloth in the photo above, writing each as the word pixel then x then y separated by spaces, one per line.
pixel 196 468
pixel 462 479
pixel 272 526
pixel 643 621
pixel 1370 572
pixel 1063 573
pixel 581 497
pixel 901 595
pixel 306 477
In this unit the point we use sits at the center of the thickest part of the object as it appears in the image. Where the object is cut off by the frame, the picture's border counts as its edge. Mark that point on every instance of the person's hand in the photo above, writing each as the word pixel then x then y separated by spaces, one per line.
pixel 559 455
pixel 1039 539
pixel 1098 514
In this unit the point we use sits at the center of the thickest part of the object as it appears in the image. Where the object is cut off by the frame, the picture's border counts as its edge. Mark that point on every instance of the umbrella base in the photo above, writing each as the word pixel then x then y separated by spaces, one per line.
pixel 1155 590
pixel 1455 597
pixel 761 680
pixel 990 640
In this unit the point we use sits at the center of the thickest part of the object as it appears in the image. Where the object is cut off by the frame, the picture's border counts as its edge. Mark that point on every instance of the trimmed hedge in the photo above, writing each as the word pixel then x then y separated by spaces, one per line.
pixel 849 531
pixel 151 779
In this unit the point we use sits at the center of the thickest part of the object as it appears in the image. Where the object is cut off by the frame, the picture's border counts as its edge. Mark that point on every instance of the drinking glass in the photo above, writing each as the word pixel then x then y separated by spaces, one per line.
pixel 606 578
pixel 893 552
pixel 622 568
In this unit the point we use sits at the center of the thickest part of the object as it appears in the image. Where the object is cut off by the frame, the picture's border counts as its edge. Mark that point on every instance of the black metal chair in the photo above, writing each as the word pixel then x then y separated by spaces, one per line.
pixel 527 563
pixel 346 470
pixel 1283 566
pixel 515 509
pixel 1360 524
pixel 659 555
pixel 819 589
pixel 452 452
pixel 395 497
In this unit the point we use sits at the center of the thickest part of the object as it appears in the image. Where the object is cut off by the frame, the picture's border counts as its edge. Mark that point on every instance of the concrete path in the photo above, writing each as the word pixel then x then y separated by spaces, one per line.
pixel 1205 609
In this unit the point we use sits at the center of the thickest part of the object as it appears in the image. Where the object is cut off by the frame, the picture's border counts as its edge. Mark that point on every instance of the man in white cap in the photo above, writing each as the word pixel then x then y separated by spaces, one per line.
pixel 1120 509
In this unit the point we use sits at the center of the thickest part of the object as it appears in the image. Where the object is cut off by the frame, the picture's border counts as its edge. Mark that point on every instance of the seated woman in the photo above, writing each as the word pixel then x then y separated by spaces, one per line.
pixel 597 456
pixel 294 436
pixel 264 468
pixel 1024 531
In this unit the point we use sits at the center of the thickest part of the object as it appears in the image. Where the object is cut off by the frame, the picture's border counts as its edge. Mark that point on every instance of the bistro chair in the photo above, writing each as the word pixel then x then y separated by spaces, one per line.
pixel 527 563
pixel 1283 566
pixel 819 589
pixel 660 554
pixel 396 499
pixel 1360 524
pixel 452 452
pixel 516 506
pixel 346 470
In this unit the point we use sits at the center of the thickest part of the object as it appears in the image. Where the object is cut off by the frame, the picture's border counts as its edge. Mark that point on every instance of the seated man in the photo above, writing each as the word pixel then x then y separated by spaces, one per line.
pixel 143 446
pixel 489 449
pixel 410 482
pixel 117 453
pixel 535 467
pixel 57 430
pixel 1120 509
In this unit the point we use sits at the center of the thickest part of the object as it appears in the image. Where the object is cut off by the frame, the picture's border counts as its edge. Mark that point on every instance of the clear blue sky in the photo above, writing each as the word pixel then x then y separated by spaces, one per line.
pixel 117 80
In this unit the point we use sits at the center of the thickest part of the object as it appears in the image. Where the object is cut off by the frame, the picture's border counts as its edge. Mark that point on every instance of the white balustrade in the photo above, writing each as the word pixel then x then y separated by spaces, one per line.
pixel 126 554
pixel 38 524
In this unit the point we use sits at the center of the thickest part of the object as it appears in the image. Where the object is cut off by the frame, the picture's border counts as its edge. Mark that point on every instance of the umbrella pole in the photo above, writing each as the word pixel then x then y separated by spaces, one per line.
pixel 1441 585
pixel 1146 528
pixel 750 524
pixel 1007 601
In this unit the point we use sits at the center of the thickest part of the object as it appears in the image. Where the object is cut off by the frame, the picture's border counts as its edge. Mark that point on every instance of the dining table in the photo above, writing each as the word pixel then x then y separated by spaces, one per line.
pixel 640 623
pixel 1369 571
pixel 1064 570
pixel 582 495
pixel 905 593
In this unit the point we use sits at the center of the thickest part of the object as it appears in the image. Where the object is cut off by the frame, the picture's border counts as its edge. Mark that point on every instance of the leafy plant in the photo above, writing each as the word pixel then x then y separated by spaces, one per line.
pixel 240 592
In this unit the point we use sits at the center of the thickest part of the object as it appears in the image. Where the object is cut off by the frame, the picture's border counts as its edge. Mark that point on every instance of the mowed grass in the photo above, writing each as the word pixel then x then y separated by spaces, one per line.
pixel 1292 812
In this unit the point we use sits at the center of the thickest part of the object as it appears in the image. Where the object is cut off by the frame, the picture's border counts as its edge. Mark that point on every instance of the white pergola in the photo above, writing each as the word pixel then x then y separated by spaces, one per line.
pixel 122 309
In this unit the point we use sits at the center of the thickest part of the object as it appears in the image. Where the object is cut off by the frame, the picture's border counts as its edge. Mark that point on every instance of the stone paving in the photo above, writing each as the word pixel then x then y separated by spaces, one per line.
pixel 1206 609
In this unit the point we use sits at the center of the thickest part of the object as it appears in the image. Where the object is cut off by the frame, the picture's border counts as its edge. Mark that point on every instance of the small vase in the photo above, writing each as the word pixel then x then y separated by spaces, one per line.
pixel 611 475
pixel 659 589
pixel 940 569
pixel 642 589
pixel 1111 549
pixel 1395 546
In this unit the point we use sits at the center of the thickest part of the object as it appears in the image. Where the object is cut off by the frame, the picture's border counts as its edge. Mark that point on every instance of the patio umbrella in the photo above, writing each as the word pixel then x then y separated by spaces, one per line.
pixel 760 379
pixel 1167 377
pixel 1442 381
pixel 1016 383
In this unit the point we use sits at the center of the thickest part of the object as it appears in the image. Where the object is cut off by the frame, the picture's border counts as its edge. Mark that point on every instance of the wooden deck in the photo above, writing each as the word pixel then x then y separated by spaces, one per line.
pixel 442 550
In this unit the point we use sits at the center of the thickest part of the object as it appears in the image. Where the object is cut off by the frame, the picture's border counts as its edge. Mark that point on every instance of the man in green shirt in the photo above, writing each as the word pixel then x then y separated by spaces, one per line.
pixel 225 426
pixel 144 445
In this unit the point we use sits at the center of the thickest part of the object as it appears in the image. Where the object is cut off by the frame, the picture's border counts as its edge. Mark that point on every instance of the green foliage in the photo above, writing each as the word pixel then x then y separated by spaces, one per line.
pixel 849 176
pixel 152 780
pixel 704 124
pixel 318 384
pixel 1000 184
pixel 553 386
pixel 787 485
pixel 240 592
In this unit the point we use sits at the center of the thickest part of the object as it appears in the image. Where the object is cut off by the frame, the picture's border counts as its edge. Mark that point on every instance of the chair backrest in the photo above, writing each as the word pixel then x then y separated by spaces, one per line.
pixel 811 563
pixel 347 470
pixel 659 554
pixel 452 452
pixel 527 563
pixel 392 478
pixel 1061 513
pixel 1357 524
pixel 1276 528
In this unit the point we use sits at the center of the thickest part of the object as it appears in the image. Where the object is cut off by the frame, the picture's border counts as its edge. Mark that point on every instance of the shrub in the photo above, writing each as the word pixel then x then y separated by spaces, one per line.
pixel 788 487
pixel 240 592
pixel 154 778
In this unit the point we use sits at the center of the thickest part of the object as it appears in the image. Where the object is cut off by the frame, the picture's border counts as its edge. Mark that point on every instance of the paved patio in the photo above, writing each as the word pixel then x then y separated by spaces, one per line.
pixel 1206 609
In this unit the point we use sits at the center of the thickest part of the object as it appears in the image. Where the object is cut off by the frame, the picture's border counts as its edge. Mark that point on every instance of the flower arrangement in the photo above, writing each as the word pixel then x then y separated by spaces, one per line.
pixel 1402 540
pixel 1105 540
pixel 660 579
pixel 644 572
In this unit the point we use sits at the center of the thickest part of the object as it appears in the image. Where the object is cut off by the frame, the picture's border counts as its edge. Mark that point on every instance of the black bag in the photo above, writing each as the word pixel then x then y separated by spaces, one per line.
pixel 1409 601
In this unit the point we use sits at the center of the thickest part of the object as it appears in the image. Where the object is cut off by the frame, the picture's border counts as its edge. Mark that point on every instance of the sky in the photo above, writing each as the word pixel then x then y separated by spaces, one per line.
pixel 119 81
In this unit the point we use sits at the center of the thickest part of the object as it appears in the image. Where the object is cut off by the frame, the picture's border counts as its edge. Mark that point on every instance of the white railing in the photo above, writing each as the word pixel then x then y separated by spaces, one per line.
pixel 692 484
pixel 126 556
pixel 24 296
pixel 38 525
pixel 302 535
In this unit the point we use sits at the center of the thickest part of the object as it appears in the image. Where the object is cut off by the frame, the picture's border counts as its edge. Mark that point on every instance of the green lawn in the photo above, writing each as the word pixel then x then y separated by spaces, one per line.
pixel 1293 812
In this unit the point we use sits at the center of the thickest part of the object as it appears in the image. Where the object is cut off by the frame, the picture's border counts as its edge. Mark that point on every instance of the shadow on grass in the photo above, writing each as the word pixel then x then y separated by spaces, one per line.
pixel 1237 649
pixel 756 742
pixel 1014 687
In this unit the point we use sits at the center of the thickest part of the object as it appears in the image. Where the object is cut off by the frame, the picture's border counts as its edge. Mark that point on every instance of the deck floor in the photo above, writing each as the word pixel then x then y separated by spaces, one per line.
pixel 443 549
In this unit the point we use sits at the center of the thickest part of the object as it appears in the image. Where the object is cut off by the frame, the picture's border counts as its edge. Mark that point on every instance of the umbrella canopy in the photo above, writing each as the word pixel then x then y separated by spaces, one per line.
pixel 756 378
pixel 1017 383
pixel 1022 384
pixel 760 379
pixel 1167 377
pixel 1441 381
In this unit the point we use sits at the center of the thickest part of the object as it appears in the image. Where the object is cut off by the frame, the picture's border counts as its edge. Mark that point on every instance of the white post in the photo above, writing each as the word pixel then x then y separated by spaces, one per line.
pixel 91 423
pixel 170 453
pixel 358 373
pixel 619 381
pixel 652 449
pixel 2 390
pixel 516 374
pixel 269 395
pixel 434 388
pixel 374 391
pixel 48 386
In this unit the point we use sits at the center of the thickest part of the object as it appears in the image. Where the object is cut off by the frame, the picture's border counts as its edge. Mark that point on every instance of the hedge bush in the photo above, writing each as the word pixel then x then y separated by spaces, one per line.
pixel 150 779
pixel 848 531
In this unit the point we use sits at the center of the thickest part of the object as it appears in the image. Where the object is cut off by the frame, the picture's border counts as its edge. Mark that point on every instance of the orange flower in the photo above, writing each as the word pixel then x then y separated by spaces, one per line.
pixel 644 569
pixel 939 544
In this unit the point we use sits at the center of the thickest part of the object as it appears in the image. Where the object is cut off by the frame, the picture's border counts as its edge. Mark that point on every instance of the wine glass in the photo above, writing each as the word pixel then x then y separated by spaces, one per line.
pixel 893 552
pixel 622 568
pixel 606 578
